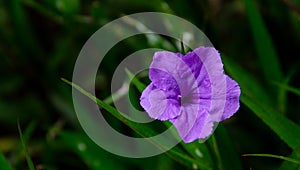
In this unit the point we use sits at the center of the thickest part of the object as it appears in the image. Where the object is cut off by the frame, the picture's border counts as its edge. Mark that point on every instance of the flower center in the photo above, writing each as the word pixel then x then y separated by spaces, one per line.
pixel 184 100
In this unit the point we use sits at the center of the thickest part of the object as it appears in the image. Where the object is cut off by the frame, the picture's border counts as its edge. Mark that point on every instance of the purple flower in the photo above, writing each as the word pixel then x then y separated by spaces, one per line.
pixel 191 91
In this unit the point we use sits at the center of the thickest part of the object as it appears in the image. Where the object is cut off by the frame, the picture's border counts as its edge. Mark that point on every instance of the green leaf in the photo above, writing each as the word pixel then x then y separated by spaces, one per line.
pixel 124 89
pixel 67 6
pixel 221 146
pixel 284 91
pixel 139 85
pixel 90 153
pixel 247 82
pixel 176 153
pixel 287 130
pixel 288 88
pixel 275 156
pixel 215 149
pixel 282 97
pixel 266 52
pixel 226 146
pixel 29 161
pixel 180 156
pixel 288 165
pixel 199 152
pixel 4 164
pixel 257 100
pixel 28 131
pixel 44 10
pixel 163 163
pixel 28 42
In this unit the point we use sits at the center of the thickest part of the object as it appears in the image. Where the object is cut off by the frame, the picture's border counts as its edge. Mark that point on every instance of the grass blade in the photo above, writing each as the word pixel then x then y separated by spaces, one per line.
pixel 199 152
pixel 139 85
pixel 275 156
pixel 92 155
pixel 226 146
pixel 246 81
pixel 4 163
pixel 215 148
pixel 258 101
pixel 43 10
pixel 288 165
pixel 266 52
pixel 287 130
pixel 118 94
pixel 29 161
pixel 27 39
pixel 143 131
pixel 288 88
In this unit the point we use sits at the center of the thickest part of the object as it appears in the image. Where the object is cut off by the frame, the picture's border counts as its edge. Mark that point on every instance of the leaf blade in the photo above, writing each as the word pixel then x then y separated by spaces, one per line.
pixel 4 164
pixel 226 146
pixel 28 159
pixel 275 156
pixel 287 130
pixel 287 165
pixel 174 153
pixel 259 102
pixel 288 88
pixel 266 52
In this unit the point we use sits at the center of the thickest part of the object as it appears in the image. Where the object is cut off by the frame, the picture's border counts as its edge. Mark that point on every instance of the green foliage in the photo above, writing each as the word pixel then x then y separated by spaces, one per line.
pixel 287 164
pixel 289 88
pixel 285 129
pixel 88 151
pixel 25 149
pixel 266 52
pixel 40 41
pixel 275 156
pixel 143 131
pixel 226 147
pixel 4 164
pixel 254 100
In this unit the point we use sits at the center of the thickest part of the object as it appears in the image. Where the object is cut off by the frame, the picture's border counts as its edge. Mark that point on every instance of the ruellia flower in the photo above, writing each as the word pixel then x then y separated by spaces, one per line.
pixel 191 91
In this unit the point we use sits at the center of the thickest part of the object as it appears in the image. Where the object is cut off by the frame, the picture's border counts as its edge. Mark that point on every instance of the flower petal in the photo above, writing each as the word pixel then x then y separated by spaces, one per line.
pixel 165 82
pixel 232 98
pixel 174 68
pixel 212 76
pixel 193 123
pixel 191 91
pixel 144 99
pixel 156 104
pixel 185 122
pixel 194 62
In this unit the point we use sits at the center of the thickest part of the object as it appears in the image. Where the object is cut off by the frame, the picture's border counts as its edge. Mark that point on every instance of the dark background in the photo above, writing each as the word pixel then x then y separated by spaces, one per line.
pixel 41 39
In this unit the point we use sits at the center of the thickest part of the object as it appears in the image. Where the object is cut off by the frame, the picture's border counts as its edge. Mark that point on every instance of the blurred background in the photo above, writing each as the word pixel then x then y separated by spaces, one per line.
pixel 41 39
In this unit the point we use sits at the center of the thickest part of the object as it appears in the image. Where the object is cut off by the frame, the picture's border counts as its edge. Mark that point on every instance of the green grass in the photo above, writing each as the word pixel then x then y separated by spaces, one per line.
pixel 275 156
pixel 41 40
pixel 4 164
pixel 25 149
